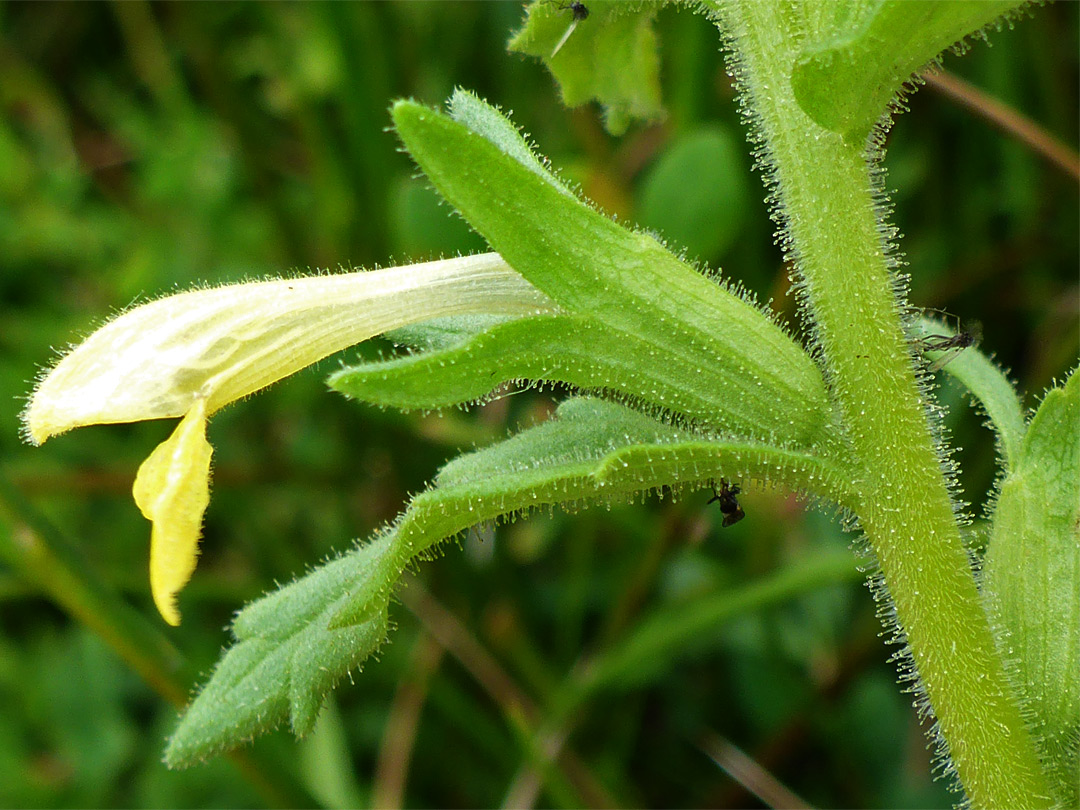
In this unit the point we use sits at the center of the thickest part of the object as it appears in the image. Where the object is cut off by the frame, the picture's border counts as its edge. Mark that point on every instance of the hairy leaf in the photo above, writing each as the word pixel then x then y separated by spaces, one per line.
pixel 469 110
pixel 293 645
pixel 1032 582
pixel 847 81
pixel 675 327
pixel 285 659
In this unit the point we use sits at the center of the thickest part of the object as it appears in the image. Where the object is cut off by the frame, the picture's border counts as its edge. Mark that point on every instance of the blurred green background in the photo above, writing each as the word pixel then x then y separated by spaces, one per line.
pixel 145 148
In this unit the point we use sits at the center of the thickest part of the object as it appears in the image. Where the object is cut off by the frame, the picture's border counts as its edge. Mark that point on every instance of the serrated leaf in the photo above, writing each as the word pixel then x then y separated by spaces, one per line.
pixel 593 451
pixel 293 645
pixel 285 659
pixel 610 57
pixel 1032 582
pixel 846 82
pixel 672 326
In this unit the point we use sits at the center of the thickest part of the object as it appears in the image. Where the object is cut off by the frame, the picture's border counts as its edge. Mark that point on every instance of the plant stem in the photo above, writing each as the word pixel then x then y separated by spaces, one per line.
pixel 830 218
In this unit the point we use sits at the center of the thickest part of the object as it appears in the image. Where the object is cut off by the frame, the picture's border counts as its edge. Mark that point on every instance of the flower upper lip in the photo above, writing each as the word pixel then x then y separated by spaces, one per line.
pixel 225 343
pixel 192 353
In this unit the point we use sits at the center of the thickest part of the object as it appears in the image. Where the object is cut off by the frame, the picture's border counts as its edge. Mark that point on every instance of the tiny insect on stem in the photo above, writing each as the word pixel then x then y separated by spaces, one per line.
pixel 579 12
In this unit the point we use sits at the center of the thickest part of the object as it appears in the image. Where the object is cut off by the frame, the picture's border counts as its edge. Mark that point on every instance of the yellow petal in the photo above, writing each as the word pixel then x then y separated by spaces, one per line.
pixel 172 490
pixel 224 343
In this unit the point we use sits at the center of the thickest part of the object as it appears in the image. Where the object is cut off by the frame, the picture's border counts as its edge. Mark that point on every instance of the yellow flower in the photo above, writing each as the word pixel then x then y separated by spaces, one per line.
pixel 192 353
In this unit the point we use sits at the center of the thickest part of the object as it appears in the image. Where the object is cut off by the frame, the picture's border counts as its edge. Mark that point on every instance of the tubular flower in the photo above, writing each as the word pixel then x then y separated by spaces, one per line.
pixel 192 353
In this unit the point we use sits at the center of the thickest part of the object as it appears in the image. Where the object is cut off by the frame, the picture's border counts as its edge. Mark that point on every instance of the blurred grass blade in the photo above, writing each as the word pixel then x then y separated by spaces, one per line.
pixel 39 552
pixel 34 548
pixel 648 652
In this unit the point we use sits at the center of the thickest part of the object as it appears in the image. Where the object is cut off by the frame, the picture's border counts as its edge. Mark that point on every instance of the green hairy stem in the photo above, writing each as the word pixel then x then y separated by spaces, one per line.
pixel 826 200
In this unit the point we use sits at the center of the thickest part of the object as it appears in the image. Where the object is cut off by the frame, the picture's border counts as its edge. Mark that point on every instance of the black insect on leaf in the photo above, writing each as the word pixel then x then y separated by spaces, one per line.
pixel 729 504
pixel 951 345
pixel 579 12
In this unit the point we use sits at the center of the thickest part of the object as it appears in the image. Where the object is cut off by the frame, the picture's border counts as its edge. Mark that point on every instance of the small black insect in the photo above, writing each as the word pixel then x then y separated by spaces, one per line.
pixel 952 345
pixel 577 9
pixel 729 504
pixel 579 12
pixel 939 343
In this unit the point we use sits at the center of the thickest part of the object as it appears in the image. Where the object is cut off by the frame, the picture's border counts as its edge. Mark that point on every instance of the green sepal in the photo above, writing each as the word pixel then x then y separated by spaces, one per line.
pixel 847 81
pixel 761 382
pixel 1031 579
pixel 285 659
pixel 611 57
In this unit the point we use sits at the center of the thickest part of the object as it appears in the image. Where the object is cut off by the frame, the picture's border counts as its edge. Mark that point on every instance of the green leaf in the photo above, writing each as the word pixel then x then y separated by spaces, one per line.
pixel 489 123
pixel 610 57
pixel 697 192
pixel 566 348
pixel 286 658
pixel 592 452
pixel 293 645
pixel 442 333
pixel 672 326
pixel 562 348
pixel 846 81
pixel 1032 582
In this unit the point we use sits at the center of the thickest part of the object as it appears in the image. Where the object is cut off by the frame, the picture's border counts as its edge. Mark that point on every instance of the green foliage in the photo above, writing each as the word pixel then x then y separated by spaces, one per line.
pixel 1032 582
pixel 758 381
pixel 835 229
pixel 148 148
pixel 287 657
pixel 294 645
pixel 859 61
pixel 696 194
pixel 610 57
